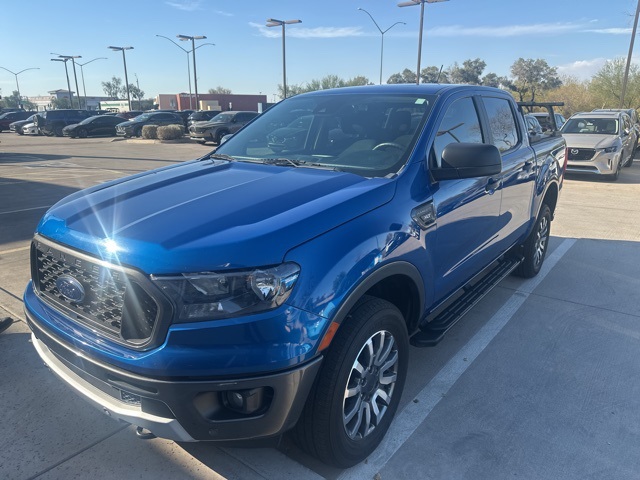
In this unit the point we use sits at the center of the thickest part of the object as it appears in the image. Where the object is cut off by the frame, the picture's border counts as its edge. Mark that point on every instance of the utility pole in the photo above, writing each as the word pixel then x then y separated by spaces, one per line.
pixel 626 70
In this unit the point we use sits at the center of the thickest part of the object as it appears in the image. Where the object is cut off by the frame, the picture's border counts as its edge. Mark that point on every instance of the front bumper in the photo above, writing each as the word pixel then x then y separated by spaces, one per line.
pixel 600 164
pixel 184 409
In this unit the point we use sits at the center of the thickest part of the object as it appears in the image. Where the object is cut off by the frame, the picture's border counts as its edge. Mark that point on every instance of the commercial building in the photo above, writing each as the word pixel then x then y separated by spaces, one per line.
pixel 210 101
pixel 45 102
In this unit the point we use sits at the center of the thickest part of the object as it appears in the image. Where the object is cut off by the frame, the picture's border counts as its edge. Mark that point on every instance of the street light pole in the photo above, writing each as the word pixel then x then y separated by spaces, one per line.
pixel 126 78
pixel 272 22
pixel 188 67
pixel 412 3
pixel 626 70
pixel 66 71
pixel 382 32
pixel 75 77
pixel 193 39
pixel 84 89
pixel 18 85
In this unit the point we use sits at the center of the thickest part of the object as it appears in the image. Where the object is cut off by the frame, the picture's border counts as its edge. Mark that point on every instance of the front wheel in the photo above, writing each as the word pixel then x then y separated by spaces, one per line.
pixel 358 389
pixel 535 247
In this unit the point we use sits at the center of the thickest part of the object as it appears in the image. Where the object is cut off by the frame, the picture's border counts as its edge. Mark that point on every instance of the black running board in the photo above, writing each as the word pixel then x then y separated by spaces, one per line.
pixel 435 330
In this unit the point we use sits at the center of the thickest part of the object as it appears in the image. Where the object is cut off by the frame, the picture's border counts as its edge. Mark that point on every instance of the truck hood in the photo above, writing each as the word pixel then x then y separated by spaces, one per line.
pixel 583 140
pixel 210 214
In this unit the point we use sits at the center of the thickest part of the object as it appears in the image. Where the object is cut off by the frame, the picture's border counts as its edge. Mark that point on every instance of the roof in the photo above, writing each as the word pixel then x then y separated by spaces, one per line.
pixel 408 88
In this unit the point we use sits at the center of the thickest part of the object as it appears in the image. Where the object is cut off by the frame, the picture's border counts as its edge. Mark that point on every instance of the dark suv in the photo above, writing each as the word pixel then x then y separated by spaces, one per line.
pixel 221 125
pixel 10 117
pixel 133 128
pixel 201 116
pixel 51 122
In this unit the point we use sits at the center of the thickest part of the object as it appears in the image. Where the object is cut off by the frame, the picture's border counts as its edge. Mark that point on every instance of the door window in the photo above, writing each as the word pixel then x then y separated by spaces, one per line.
pixel 502 123
pixel 459 125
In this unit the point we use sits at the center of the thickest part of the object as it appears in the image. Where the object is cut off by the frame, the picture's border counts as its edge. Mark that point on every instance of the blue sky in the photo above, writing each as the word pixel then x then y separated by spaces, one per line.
pixel 576 36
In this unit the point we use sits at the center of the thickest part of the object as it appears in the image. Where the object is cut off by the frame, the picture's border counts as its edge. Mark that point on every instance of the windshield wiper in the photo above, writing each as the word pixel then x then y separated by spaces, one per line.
pixel 282 161
pixel 219 156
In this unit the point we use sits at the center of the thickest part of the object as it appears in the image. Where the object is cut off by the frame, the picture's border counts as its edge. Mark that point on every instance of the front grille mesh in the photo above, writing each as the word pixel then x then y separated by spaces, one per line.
pixel 113 301
pixel 581 153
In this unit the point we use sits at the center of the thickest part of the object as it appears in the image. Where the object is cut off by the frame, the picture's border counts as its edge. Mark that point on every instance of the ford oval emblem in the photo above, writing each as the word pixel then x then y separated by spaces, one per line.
pixel 70 288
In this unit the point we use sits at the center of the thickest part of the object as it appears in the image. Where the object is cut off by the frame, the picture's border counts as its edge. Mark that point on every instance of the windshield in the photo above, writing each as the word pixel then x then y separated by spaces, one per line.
pixel 599 126
pixel 367 134
pixel 89 119
pixel 223 117
pixel 144 116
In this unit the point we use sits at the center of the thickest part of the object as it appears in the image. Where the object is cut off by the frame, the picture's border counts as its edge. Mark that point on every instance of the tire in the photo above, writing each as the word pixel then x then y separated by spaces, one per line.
pixel 57 131
pixel 219 136
pixel 82 133
pixel 629 162
pixel 334 425
pixel 138 132
pixel 535 247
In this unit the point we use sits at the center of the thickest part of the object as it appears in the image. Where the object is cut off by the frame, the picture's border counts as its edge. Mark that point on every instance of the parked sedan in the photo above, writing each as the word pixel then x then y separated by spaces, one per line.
pixel 133 128
pixel 16 126
pixel 99 125
pixel 30 129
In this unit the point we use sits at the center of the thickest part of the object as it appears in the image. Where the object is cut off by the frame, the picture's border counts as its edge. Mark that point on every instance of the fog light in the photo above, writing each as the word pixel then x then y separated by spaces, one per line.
pixel 244 401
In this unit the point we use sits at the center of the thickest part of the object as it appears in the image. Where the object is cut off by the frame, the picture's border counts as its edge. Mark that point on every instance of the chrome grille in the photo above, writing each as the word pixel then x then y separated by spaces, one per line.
pixel 112 300
pixel 581 153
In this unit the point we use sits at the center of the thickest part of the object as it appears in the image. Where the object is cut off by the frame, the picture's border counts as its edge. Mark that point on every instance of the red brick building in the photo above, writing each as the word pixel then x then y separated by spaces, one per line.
pixel 210 101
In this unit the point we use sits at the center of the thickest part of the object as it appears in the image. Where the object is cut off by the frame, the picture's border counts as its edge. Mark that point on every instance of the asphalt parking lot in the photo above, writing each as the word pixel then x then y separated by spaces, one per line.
pixel 541 380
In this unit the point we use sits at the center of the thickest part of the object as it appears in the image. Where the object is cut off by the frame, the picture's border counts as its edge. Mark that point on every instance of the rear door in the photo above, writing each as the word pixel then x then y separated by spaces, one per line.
pixel 518 168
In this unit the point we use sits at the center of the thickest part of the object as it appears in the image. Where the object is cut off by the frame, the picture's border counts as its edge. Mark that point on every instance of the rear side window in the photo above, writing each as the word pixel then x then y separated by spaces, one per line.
pixel 501 122
pixel 459 125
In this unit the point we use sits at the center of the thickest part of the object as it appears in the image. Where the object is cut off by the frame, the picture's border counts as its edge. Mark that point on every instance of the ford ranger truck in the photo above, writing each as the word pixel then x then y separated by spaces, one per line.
pixel 277 285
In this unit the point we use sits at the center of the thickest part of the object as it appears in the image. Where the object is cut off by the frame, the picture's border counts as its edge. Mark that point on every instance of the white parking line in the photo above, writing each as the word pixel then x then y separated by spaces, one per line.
pixel 415 413
pixel 14 250
pixel 24 210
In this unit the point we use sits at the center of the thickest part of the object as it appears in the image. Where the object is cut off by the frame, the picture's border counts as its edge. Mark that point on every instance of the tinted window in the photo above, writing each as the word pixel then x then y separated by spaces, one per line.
pixel 459 125
pixel 502 123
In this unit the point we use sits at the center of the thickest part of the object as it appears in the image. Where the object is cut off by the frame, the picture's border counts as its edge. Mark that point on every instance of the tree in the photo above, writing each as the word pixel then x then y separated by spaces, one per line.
pixel 433 74
pixel 606 85
pixel 407 76
pixel 136 93
pixel 469 73
pixel 574 93
pixel 14 101
pixel 493 80
pixel 114 88
pixel 60 102
pixel 531 77
pixel 324 83
pixel 220 90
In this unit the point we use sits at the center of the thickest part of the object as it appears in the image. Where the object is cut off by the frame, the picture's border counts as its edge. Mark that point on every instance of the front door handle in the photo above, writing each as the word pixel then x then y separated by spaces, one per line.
pixel 492 185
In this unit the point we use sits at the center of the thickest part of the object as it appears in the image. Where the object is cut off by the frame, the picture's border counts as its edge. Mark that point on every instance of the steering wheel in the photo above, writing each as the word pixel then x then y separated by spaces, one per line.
pixel 389 144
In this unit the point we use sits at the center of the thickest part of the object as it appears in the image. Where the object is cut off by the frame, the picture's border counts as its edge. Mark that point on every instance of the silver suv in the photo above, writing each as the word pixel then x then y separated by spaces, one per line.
pixel 599 143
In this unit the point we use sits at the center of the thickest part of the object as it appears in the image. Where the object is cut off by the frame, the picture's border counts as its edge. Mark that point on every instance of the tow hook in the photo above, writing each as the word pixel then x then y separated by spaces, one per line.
pixel 144 434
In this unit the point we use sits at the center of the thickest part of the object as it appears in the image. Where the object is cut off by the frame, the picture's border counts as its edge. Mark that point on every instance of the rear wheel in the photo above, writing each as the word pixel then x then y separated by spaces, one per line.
pixel 358 389
pixel 535 247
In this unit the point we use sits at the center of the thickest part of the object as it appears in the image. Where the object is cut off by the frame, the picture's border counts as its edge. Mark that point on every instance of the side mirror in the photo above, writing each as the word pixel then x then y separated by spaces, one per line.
pixel 468 160
pixel 225 138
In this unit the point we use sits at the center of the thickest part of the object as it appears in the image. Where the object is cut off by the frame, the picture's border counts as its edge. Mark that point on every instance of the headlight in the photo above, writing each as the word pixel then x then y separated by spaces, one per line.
pixel 613 149
pixel 212 296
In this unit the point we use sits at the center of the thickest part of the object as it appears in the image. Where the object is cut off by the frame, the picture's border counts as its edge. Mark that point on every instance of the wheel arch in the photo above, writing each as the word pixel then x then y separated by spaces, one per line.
pixel 399 283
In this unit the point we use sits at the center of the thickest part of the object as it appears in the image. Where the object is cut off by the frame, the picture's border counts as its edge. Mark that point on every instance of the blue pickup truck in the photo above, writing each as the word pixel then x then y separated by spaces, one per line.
pixel 277 283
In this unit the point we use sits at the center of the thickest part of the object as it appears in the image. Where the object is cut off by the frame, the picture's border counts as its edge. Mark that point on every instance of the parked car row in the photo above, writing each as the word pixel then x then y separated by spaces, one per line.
pixel 84 123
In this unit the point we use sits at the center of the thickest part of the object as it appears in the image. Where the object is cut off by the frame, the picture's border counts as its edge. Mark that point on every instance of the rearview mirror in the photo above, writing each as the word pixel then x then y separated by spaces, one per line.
pixel 468 160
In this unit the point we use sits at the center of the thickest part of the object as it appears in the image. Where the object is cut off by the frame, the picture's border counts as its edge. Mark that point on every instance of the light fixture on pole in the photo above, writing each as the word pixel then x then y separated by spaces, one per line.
pixel 188 63
pixel 84 89
pixel 412 3
pixel 193 39
pixel 75 77
pixel 17 85
pixel 66 71
pixel 126 78
pixel 382 32
pixel 272 22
